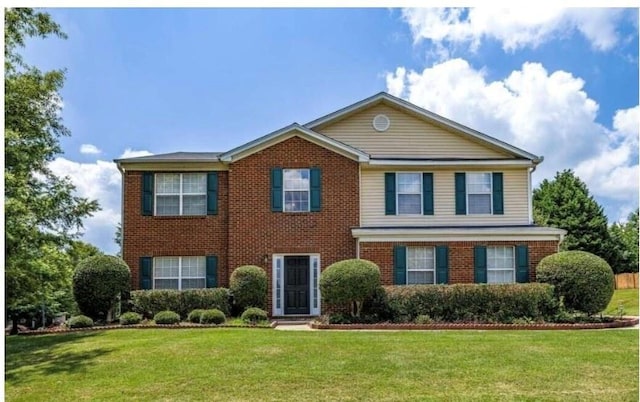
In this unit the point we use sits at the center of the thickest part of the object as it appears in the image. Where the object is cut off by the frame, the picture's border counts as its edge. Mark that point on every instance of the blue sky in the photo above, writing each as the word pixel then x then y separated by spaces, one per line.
pixel 560 83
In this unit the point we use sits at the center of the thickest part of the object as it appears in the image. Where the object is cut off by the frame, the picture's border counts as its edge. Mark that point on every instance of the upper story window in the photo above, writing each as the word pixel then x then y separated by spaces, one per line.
pixel 479 193
pixel 296 190
pixel 409 193
pixel 181 194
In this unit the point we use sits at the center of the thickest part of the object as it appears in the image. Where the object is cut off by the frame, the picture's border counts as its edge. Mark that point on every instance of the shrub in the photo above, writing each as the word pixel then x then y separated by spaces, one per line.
pixel 98 281
pixel 248 285
pixel 350 281
pixel 130 318
pixel 423 319
pixel 213 316
pixel 166 317
pixel 150 302
pixel 254 315
pixel 584 280
pixel 195 315
pixel 80 321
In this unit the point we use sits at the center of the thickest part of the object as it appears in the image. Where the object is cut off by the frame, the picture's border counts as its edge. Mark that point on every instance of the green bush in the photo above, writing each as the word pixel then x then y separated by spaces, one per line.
pixel 248 285
pixel 98 281
pixel 150 302
pixel 423 319
pixel 213 316
pixel 350 282
pixel 130 318
pixel 254 315
pixel 195 315
pixel 166 317
pixel 80 321
pixel 584 280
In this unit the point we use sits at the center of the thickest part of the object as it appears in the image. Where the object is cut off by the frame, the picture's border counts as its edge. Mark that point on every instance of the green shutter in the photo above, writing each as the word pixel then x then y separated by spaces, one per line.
pixel 498 197
pixel 399 265
pixel 147 194
pixel 389 193
pixel 146 273
pixel 461 194
pixel 427 193
pixel 480 264
pixel 442 264
pixel 276 190
pixel 315 187
pixel 522 264
pixel 212 193
pixel 212 271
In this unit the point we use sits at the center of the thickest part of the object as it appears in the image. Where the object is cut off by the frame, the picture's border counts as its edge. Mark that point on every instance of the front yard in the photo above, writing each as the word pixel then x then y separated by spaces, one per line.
pixel 627 298
pixel 262 364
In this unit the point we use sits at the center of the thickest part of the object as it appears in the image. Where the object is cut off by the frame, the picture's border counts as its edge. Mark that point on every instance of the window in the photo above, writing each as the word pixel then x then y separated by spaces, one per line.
pixel 409 193
pixel 421 265
pixel 479 193
pixel 181 194
pixel 296 190
pixel 500 265
pixel 179 273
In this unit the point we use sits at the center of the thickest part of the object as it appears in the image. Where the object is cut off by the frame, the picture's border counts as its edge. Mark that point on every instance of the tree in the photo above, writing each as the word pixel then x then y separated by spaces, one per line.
pixel 118 239
pixel 565 202
pixel 624 244
pixel 41 211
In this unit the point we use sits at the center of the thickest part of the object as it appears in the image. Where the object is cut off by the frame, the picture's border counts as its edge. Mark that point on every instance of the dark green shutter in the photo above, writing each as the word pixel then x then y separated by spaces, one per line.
pixel 461 194
pixel 212 193
pixel 399 265
pixel 212 271
pixel 146 273
pixel 276 190
pixel 442 264
pixel 522 264
pixel 427 193
pixel 147 194
pixel 389 193
pixel 480 264
pixel 498 197
pixel 315 187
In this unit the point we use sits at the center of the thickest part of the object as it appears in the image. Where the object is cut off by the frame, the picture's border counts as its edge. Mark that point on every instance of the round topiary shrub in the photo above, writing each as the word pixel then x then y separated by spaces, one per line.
pixel 213 316
pixel 350 281
pixel 195 315
pixel 248 285
pixel 80 321
pixel 166 318
pixel 254 315
pixel 130 318
pixel 98 281
pixel 585 281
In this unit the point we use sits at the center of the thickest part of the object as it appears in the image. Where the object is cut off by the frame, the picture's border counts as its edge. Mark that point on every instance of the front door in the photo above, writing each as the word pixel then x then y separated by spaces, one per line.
pixel 296 285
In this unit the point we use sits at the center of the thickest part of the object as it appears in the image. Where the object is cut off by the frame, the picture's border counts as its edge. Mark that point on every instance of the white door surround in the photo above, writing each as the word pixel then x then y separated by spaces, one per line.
pixel 277 276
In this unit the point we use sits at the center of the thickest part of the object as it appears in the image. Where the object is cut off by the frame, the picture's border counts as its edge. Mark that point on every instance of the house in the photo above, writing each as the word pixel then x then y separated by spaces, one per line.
pixel 425 198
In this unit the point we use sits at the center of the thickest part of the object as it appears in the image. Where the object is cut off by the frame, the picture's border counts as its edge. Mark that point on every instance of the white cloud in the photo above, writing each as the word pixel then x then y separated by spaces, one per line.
pixel 89 149
pixel 130 153
pixel 515 28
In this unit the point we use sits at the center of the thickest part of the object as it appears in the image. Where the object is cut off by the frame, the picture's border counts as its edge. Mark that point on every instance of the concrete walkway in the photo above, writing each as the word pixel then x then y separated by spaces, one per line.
pixel 295 327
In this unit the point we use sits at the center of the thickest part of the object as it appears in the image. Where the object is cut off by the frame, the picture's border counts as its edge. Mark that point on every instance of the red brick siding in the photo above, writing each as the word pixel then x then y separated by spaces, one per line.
pixel 460 256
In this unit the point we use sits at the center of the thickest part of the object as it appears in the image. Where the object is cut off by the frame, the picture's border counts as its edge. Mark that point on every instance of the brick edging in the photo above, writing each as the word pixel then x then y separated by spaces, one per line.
pixel 156 326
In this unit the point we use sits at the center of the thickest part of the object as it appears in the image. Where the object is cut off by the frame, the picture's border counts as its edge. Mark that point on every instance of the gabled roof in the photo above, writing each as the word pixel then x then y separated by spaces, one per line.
pixel 428 116
pixel 175 157
pixel 290 131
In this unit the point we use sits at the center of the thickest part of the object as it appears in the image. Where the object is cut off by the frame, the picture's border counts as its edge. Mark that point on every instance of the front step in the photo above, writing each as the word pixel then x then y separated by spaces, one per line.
pixel 292 320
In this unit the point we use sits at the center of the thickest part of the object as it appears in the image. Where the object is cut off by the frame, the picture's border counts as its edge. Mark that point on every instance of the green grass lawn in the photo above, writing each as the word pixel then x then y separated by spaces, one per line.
pixel 628 298
pixel 264 364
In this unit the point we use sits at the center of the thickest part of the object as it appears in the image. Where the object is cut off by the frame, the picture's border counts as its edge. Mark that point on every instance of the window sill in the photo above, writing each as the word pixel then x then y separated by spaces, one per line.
pixel 174 217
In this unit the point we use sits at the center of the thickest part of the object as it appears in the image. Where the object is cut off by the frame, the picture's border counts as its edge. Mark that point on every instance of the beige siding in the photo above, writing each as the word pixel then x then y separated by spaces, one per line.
pixel 407 136
pixel 515 200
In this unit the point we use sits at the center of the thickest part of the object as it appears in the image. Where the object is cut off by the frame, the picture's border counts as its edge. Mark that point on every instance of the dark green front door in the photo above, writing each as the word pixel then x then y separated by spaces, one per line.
pixel 296 285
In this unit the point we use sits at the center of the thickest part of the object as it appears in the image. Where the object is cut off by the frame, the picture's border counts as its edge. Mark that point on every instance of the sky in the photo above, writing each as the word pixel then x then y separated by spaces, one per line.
pixel 562 83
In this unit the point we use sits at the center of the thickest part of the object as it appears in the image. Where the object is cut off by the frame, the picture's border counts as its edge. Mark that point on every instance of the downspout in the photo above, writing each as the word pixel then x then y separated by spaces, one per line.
pixel 121 170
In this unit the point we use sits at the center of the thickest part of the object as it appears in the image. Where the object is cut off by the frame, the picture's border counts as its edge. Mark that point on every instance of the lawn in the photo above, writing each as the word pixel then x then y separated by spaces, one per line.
pixel 264 364
pixel 628 298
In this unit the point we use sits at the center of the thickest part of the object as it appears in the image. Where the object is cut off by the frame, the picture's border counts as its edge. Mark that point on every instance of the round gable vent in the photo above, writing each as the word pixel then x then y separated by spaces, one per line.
pixel 381 122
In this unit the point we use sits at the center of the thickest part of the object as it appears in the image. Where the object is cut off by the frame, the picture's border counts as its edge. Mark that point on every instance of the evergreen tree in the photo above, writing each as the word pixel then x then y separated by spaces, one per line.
pixel 624 244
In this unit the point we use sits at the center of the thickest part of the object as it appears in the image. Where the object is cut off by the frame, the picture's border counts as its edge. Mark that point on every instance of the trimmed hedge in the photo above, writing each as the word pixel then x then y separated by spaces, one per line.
pixel 472 302
pixel 248 285
pixel 97 282
pixel 150 302
pixel 166 318
pixel 80 321
pixel 254 315
pixel 350 281
pixel 130 318
pixel 584 280
pixel 195 315
pixel 213 316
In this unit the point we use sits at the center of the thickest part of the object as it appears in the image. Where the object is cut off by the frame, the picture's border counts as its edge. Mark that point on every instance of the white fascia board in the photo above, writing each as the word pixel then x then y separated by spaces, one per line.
pixel 488 162
pixel 458 234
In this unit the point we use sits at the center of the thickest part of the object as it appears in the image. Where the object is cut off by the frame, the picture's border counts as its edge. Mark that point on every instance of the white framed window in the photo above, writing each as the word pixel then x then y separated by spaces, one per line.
pixel 421 265
pixel 409 193
pixel 501 264
pixel 296 190
pixel 179 273
pixel 479 193
pixel 181 194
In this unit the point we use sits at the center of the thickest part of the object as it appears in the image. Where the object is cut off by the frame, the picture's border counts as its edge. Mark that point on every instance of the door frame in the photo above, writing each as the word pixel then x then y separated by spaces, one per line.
pixel 277 283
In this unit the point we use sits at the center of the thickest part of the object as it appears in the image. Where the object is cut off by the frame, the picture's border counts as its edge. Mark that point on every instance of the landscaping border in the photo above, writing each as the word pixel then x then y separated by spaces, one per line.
pixel 144 326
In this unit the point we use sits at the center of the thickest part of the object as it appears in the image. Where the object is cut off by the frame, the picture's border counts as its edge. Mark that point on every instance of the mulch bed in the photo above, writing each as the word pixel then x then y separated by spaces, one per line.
pixel 62 329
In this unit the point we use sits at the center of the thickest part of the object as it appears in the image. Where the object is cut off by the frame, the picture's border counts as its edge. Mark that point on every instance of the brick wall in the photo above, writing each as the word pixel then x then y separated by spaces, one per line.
pixel 460 256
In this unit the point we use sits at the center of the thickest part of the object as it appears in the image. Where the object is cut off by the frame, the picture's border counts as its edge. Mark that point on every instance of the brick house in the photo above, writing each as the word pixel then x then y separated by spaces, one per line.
pixel 425 198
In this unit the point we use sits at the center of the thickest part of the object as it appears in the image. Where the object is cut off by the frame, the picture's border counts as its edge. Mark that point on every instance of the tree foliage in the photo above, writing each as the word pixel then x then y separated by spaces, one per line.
pixel 624 244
